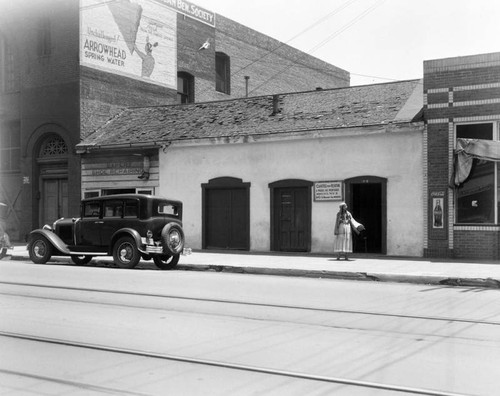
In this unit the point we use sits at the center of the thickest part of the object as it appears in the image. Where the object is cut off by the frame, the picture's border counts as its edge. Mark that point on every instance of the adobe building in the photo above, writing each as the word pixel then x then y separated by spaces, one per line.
pixel 68 66
pixel 462 101
pixel 267 173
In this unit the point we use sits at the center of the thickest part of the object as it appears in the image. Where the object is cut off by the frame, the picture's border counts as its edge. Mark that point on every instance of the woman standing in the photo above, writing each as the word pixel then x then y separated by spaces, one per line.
pixel 342 243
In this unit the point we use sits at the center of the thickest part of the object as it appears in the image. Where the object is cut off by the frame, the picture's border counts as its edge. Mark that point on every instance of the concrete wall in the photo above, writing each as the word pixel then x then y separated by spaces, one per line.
pixel 183 168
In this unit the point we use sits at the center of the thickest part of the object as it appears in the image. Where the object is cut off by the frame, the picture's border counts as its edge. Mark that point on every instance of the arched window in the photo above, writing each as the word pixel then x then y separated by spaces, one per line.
pixel 55 146
pixel 222 73
pixel 185 88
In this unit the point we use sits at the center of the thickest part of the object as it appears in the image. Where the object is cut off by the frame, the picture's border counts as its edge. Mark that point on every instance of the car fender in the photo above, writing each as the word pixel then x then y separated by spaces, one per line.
pixel 125 231
pixel 52 238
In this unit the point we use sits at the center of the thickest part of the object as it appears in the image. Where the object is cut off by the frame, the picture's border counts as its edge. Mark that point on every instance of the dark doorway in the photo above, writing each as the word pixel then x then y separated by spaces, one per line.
pixel 226 217
pixel 291 216
pixel 366 197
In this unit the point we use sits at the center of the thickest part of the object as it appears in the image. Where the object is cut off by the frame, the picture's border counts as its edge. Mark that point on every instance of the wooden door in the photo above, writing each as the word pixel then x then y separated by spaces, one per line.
pixel 227 220
pixel 293 219
pixel 54 200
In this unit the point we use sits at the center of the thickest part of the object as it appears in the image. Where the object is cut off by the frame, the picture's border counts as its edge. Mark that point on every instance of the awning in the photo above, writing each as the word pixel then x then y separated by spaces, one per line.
pixel 467 150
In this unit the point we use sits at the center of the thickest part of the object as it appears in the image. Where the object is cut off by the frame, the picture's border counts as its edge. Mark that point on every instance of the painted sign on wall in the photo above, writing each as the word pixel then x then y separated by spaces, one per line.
pixel 137 39
pixel 328 191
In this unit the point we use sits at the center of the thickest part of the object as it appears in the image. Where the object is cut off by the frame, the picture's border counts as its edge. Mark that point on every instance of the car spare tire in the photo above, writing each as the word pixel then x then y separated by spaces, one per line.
pixel 173 239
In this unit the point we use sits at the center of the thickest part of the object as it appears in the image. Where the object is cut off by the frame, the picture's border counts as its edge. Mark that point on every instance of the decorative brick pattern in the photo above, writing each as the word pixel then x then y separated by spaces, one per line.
pixel 457 90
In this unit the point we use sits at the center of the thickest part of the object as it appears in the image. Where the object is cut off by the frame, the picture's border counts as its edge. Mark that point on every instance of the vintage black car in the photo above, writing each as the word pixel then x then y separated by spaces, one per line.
pixel 126 226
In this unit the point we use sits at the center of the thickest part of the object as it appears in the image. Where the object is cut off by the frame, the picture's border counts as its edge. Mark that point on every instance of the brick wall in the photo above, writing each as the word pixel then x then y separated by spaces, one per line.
pixel 56 90
pixel 476 244
pixel 458 90
pixel 102 95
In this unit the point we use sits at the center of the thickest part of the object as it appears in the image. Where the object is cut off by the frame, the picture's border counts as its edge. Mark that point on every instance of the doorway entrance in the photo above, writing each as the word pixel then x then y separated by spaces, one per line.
pixel 291 216
pixel 226 214
pixel 52 161
pixel 54 200
pixel 367 200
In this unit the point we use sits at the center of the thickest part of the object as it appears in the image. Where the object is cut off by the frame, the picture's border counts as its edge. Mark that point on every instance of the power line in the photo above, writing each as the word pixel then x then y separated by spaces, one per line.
pixel 319 21
pixel 329 38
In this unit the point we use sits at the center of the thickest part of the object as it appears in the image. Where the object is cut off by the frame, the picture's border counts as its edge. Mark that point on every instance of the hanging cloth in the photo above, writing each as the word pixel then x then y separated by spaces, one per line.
pixel 467 150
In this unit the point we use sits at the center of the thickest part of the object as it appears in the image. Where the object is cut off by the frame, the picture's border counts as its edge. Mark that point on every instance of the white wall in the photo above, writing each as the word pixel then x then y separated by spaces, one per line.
pixel 395 156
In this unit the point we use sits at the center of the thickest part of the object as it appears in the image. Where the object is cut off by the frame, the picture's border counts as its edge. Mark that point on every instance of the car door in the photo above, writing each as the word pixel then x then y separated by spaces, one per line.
pixel 112 217
pixel 87 229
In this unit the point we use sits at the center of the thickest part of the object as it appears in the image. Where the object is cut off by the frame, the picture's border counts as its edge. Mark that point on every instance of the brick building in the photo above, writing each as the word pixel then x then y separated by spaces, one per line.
pixel 68 66
pixel 462 101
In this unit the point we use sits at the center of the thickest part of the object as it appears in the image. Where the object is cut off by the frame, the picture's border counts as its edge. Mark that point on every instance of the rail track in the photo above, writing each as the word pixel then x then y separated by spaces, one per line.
pixel 204 362
pixel 236 302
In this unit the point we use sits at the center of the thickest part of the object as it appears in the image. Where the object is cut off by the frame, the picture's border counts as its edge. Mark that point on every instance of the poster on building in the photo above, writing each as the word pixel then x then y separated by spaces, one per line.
pixel 134 38
pixel 437 209
pixel 328 191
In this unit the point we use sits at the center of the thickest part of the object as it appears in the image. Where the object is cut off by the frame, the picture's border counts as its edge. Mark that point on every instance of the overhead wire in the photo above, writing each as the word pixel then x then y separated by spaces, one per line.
pixel 325 41
pixel 315 24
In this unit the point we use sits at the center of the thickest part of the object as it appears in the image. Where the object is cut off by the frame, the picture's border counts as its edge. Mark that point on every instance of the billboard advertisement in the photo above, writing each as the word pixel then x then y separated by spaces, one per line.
pixel 134 38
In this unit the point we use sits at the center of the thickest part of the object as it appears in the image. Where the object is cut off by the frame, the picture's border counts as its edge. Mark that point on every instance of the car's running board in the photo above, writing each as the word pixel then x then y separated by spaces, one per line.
pixel 88 253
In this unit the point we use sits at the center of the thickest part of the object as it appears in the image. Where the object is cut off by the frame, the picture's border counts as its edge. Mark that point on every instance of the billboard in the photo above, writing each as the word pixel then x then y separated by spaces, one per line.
pixel 134 38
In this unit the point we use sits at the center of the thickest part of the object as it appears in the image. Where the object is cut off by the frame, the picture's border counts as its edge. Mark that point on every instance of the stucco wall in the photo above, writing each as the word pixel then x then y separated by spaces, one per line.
pixel 395 156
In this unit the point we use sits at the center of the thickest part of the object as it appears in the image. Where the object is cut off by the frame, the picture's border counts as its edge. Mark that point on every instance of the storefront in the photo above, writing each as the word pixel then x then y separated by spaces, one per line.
pixel 132 171
pixel 462 112
pixel 268 173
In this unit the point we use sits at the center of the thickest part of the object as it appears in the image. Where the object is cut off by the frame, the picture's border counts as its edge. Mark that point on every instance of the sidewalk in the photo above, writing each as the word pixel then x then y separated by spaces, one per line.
pixel 470 273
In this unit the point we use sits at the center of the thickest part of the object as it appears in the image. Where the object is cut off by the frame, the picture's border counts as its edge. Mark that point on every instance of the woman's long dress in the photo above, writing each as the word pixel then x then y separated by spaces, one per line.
pixel 342 242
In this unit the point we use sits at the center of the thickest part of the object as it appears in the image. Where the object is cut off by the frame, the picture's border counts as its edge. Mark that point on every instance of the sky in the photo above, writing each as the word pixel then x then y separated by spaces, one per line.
pixel 375 40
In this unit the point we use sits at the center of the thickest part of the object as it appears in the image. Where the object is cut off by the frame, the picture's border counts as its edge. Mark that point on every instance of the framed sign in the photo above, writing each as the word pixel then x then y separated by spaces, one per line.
pixel 328 191
pixel 438 214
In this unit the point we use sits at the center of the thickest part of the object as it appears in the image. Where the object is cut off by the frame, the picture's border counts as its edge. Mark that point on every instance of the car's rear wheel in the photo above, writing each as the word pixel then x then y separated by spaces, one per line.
pixel 125 253
pixel 166 262
pixel 173 239
pixel 81 260
pixel 40 249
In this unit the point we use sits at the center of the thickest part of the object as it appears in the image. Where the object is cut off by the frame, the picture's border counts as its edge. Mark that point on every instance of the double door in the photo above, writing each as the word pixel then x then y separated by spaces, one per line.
pixel 227 219
pixel 54 200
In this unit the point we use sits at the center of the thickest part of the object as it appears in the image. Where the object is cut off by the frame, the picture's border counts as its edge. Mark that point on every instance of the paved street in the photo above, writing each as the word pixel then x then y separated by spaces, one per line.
pixel 147 331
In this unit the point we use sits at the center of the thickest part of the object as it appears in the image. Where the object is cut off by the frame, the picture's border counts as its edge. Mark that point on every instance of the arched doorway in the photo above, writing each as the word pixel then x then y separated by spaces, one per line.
pixel 52 161
pixel 366 197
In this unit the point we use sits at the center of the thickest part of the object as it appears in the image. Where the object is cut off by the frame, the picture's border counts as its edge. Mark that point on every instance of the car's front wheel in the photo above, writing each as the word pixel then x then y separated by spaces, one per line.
pixel 81 260
pixel 125 253
pixel 40 249
pixel 166 262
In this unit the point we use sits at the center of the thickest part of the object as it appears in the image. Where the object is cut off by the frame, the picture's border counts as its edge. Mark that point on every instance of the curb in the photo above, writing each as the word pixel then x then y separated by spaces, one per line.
pixel 488 283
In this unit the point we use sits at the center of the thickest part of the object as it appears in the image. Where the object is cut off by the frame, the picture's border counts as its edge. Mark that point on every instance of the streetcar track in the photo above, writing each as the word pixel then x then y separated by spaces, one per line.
pixel 218 364
pixel 75 384
pixel 255 304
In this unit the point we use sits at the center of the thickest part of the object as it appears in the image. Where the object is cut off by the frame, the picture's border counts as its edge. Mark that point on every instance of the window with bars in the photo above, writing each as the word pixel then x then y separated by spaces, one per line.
pixel 222 73
pixel 54 147
pixel 10 146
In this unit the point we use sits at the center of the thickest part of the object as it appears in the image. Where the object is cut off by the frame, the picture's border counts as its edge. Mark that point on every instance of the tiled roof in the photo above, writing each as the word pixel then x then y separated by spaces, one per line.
pixel 307 111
